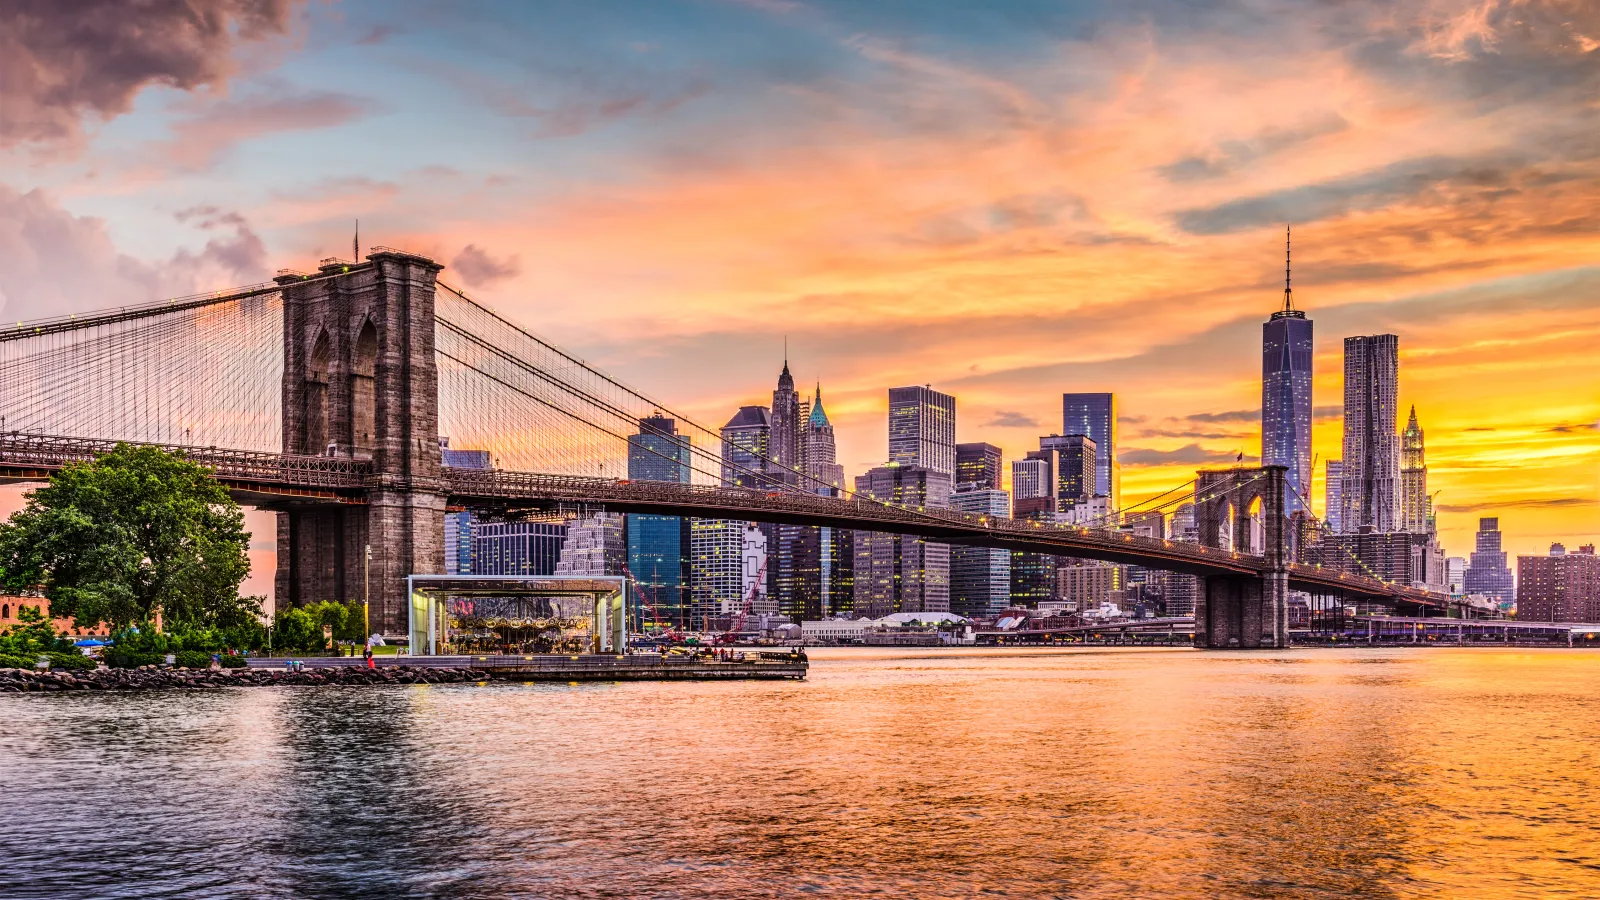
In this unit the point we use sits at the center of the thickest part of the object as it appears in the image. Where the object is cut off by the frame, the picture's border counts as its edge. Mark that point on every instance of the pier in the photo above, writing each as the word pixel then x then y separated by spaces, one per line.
pixel 583 667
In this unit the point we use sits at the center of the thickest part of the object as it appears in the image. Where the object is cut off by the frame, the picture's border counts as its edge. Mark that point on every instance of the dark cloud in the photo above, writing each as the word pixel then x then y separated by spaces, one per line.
pixel 377 34
pixel 1235 415
pixel 1188 454
pixel 1229 156
pixel 62 61
pixel 1433 179
pixel 1495 53
pixel 1007 419
pixel 1544 503
pixel 481 270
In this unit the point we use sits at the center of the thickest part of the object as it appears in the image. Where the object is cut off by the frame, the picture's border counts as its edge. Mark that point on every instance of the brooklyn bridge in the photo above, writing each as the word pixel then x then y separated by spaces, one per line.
pixel 323 397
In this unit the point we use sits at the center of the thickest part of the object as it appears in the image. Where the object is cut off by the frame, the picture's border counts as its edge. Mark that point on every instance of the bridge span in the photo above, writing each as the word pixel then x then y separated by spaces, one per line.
pixel 323 397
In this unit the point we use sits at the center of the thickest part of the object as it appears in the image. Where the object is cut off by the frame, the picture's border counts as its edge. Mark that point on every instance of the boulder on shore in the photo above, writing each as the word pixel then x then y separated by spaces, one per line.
pixel 150 678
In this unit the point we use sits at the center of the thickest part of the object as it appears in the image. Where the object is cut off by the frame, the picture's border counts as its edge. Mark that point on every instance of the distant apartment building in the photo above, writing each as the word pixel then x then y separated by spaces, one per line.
pixel 1086 585
pixel 1560 586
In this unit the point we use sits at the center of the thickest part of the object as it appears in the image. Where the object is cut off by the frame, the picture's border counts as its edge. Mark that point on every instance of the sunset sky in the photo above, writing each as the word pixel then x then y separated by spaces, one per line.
pixel 1003 200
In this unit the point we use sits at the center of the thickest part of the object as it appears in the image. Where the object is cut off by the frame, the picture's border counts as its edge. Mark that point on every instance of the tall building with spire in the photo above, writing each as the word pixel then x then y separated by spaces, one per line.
pixel 819 454
pixel 1370 494
pixel 1416 507
pixel 1286 393
pixel 814 564
pixel 784 440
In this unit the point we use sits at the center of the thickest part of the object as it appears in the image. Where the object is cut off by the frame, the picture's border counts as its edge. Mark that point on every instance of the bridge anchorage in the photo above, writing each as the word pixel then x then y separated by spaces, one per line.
pixel 323 397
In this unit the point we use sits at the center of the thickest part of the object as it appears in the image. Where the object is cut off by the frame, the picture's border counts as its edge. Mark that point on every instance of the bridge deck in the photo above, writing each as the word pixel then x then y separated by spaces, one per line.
pixel 277 478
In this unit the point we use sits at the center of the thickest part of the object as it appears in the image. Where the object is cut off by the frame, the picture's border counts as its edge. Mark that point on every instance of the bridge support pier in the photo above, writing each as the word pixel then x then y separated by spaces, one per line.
pixel 1242 613
pixel 360 380
pixel 1244 509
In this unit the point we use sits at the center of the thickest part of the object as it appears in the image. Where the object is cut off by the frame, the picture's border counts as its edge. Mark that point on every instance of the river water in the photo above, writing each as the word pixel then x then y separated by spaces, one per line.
pixel 894 773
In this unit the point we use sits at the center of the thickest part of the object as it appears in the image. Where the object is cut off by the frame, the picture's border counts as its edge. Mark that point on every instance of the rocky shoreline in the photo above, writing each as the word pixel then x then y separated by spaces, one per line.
pixel 15 681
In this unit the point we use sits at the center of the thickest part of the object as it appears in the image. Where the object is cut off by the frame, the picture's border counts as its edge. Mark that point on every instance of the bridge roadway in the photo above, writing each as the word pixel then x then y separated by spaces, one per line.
pixel 489 487
pixel 275 479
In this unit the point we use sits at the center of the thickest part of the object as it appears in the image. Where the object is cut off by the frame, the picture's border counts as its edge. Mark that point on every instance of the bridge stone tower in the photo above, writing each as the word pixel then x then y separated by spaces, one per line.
pixel 360 381
pixel 1243 510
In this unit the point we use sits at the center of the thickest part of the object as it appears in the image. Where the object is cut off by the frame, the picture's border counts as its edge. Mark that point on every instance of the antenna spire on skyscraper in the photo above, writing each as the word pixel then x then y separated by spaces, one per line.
pixel 1288 297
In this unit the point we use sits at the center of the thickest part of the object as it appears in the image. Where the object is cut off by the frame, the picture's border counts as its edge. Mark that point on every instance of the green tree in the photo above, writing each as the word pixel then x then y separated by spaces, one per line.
pixel 135 531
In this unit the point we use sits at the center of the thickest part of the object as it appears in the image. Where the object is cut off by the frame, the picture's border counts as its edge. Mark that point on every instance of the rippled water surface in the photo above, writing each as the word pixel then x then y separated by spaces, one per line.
pixel 1099 773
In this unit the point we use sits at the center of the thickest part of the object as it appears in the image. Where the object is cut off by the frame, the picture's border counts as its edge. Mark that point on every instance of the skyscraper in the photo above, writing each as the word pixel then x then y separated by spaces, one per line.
pixel 1077 468
pixel 1416 507
pixel 658 546
pixel 517 548
pixel 978 466
pixel 1286 393
pixel 1370 494
pixel 783 446
pixel 594 546
pixel 922 429
pixel 900 573
pixel 1033 476
pixel 818 450
pixel 1487 573
pixel 810 570
pixel 1096 416
pixel 980 577
pixel 458 546
pixel 746 446
pixel 1333 493
pixel 716 566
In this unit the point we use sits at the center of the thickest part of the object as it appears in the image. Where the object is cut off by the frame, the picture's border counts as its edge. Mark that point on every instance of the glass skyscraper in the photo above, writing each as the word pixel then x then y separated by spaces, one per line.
pixel 458 526
pixel 1286 395
pixel 1487 572
pixel 1096 416
pixel 922 429
pixel 658 546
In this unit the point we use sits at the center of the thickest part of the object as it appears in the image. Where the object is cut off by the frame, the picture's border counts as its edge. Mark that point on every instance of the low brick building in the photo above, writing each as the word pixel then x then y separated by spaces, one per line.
pixel 10 606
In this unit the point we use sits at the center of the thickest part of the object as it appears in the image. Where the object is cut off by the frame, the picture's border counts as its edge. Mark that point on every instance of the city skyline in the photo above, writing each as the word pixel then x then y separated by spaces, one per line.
pixel 742 192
